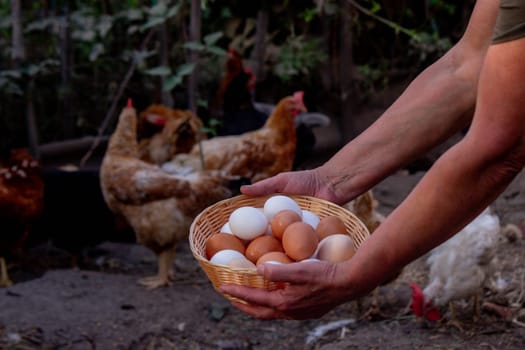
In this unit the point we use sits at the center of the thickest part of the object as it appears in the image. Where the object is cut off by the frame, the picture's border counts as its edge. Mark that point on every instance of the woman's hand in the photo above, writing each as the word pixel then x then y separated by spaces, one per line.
pixel 310 289
pixel 306 182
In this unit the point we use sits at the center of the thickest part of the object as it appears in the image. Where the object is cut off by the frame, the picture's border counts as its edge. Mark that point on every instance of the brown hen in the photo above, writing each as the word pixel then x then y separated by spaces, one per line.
pixel 21 203
pixel 255 155
pixel 164 132
pixel 158 206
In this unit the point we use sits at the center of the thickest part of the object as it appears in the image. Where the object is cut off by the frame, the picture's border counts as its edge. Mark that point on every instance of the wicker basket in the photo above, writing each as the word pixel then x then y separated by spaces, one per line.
pixel 210 221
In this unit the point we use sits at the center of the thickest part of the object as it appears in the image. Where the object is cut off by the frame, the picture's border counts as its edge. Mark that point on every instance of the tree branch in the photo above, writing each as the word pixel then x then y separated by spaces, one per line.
pixel 116 99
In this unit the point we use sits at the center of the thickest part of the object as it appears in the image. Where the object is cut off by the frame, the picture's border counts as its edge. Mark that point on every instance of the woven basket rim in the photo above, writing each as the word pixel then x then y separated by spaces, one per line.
pixel 263 198
pixel 220 210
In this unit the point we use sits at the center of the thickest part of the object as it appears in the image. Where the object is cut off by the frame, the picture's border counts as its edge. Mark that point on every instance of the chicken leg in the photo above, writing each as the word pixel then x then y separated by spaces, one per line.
pixel 4 278
pixel 165 273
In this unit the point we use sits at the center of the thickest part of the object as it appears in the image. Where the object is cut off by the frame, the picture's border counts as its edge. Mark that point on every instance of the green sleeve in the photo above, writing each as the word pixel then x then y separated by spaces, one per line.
pixel 510 24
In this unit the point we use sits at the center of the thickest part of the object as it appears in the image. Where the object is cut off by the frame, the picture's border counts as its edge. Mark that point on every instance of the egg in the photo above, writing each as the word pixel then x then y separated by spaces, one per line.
pixel 310 218
pixel 262 245
pixel 222 257
pixel 299 241
pixel 269 227
pixel 248 222
pixel 336 248
pixel 281 220
pixel 276 203
pixel 274 257
pixel 330 225
pixel 310 260
pixel 226 228
pixel 222 241
pixel 242 263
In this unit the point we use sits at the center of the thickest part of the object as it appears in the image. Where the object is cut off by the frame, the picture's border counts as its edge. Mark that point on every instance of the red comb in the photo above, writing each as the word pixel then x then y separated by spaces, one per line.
pixel 298 96
pixel 432 314
pixel 417 300
pixel 130 103
pixel 420 307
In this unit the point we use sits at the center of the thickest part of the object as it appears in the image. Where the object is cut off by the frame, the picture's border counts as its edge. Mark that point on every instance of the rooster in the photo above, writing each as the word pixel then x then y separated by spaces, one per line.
pixel 21 203
pixel 254 155
pixel 239 113
pixel 158 206
pixel 459 268
pixel 164 132
pixel 235 88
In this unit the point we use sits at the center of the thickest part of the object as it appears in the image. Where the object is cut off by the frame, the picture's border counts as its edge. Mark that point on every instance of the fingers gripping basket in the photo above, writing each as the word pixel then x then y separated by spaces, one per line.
pixel 210 221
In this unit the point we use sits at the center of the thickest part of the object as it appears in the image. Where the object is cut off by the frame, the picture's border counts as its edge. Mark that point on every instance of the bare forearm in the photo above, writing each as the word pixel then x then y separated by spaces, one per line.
pixel 463 182
pixel 450 195
pixel 436 105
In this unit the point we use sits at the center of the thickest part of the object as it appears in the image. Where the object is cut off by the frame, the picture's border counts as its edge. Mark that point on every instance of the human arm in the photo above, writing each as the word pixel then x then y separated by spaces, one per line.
pixel 438 103
pixel 457 188
pixel 461 183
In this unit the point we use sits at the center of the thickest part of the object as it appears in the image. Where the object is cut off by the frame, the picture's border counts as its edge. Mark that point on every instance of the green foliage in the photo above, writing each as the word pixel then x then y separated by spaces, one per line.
pixel 159 14
pixel 428 46
pixel 211 127
pixel 172 79
pixel 104 43
pixel 298 56
pixel 207 48
pixel 405 39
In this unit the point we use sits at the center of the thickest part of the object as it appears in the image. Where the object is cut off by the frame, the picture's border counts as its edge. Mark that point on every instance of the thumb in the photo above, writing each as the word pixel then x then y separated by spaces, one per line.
pixel 297 273
pixel 261 188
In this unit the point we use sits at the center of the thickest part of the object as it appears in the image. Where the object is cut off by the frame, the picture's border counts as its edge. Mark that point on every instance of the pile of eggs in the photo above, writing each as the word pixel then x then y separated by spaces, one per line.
pixel 280 232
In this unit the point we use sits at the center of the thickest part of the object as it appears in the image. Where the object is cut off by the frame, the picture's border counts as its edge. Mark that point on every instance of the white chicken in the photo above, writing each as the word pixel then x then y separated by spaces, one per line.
pixel 458 268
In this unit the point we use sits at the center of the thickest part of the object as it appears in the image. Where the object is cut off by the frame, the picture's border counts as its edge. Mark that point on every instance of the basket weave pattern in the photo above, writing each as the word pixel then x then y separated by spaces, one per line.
pixel 211 220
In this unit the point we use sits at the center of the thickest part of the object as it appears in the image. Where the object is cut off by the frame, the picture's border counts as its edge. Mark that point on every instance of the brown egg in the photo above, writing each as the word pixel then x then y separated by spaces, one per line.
pixel 336 248
pixel 221 241
pixel 330 225
pixel 299 241
pixel 281 220
pixel 262 245
pixel 279 257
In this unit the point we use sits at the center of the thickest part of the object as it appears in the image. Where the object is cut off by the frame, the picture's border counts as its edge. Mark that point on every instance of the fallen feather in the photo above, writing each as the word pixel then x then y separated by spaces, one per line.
pixel 321 330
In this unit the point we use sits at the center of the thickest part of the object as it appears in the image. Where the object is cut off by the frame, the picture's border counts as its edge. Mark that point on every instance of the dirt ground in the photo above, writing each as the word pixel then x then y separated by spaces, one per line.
pixel 102 307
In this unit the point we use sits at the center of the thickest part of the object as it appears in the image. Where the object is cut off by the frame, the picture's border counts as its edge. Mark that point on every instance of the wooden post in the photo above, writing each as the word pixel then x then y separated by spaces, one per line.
pixel 195 35
pixel 65 70
pixel 167 98
pixel 19 56
pixel 345 68
pixel 258 52
pixel 18 53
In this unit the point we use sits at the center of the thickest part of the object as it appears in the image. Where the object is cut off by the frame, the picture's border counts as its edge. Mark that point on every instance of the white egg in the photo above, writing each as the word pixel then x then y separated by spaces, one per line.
pixel 248 222
pixel 273 262
pixel 310 218
pixel 222 257
pixel 276 203
pixel 310 260
pixel 269 228
pixel 243 263
pixel 226 228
